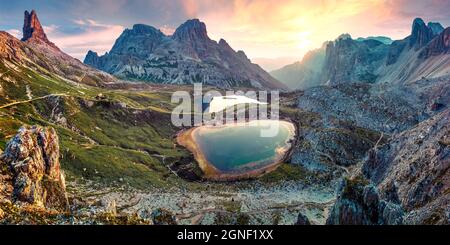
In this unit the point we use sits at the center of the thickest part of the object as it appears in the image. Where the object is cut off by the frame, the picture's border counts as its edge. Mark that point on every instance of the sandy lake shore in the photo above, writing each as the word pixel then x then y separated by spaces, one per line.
pixel 187 138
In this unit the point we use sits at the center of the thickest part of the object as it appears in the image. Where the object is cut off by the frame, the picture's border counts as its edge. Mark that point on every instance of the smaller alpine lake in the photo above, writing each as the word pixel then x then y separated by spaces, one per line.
pixel 239 150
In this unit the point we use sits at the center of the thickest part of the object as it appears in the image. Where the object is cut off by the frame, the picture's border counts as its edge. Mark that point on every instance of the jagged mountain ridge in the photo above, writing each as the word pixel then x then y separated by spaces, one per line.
pixel 374 60
pixel 349 60
pixel 187 56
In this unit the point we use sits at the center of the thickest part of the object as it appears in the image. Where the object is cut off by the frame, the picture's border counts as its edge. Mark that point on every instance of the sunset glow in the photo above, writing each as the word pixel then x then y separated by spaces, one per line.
pixel 270 29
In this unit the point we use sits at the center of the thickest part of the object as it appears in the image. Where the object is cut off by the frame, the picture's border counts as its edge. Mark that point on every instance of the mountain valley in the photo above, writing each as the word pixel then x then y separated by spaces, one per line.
pixel 372 118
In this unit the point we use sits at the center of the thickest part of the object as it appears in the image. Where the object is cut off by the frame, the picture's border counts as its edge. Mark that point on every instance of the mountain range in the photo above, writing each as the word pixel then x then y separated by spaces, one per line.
pixel 188 56
pixel 373 59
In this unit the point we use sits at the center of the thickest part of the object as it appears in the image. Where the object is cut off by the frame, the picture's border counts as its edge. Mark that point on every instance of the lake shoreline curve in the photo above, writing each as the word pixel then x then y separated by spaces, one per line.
pixel 186 138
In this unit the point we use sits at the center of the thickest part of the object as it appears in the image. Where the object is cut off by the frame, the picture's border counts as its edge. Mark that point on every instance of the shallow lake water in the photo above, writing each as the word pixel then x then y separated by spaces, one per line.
pixel 241 147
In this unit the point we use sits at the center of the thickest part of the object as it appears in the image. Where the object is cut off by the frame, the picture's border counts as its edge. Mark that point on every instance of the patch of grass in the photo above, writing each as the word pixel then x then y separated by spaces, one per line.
pixel 284 172
pixel 232 206
pixel 107 164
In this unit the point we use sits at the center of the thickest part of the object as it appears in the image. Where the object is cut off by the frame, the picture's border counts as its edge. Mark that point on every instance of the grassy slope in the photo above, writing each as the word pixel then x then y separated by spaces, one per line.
pixel 104 142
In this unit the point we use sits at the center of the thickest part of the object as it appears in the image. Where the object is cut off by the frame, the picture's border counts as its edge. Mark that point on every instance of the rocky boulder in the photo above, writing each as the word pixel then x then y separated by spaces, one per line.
pixel 302 220
pixel 33 157
pixel 359 203
pixel 162 216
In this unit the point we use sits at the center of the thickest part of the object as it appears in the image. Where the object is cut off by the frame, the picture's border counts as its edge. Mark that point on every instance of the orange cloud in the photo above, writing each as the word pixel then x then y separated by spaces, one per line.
pixel 277 28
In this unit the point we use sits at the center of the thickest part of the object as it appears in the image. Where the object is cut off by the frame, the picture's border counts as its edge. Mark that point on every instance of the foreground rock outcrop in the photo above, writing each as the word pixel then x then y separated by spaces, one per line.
pixel 359 203
pixel 406 181
pixel 302 220
pixel 33 158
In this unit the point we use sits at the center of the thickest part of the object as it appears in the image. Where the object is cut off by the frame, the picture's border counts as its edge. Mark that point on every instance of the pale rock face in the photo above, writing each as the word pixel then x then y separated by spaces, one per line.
pixel 435 27
pixel 304 74
pixel 349 60
pixel 33 156
pixel 188 56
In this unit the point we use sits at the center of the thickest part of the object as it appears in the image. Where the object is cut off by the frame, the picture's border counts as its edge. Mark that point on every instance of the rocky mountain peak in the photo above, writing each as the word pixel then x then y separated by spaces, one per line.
pixel 222 42
pixel 344 36
pixel 421 34
pixel 242 55
pixel 91 57
pixel 33 31
pixel 435 27
pixel 187 56
pixel 142 29
pixel 140 40
pixel 191 30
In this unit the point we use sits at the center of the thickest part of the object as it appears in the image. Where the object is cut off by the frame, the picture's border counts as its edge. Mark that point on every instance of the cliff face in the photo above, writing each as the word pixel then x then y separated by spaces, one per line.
pixel 188 56
pixel 359 203
pixel 33 157
pixel 421 34
pixel 348 60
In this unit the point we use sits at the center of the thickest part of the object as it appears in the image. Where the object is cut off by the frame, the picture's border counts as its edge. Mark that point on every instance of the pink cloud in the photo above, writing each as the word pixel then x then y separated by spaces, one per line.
pixel 95 36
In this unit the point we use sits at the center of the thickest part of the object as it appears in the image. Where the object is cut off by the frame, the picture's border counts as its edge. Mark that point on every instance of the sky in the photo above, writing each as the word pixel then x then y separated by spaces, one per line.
pixel 274 32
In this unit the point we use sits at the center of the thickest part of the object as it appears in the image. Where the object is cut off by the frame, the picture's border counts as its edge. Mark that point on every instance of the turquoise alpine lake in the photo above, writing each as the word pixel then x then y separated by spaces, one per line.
pixel 244 147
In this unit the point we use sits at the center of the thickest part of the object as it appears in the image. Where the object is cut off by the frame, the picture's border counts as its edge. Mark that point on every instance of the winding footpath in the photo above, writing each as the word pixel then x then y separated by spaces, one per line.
pixel 31 100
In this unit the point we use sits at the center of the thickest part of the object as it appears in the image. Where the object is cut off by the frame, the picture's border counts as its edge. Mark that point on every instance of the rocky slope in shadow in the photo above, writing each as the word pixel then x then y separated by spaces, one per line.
pixel 305 73
pixel 406 181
